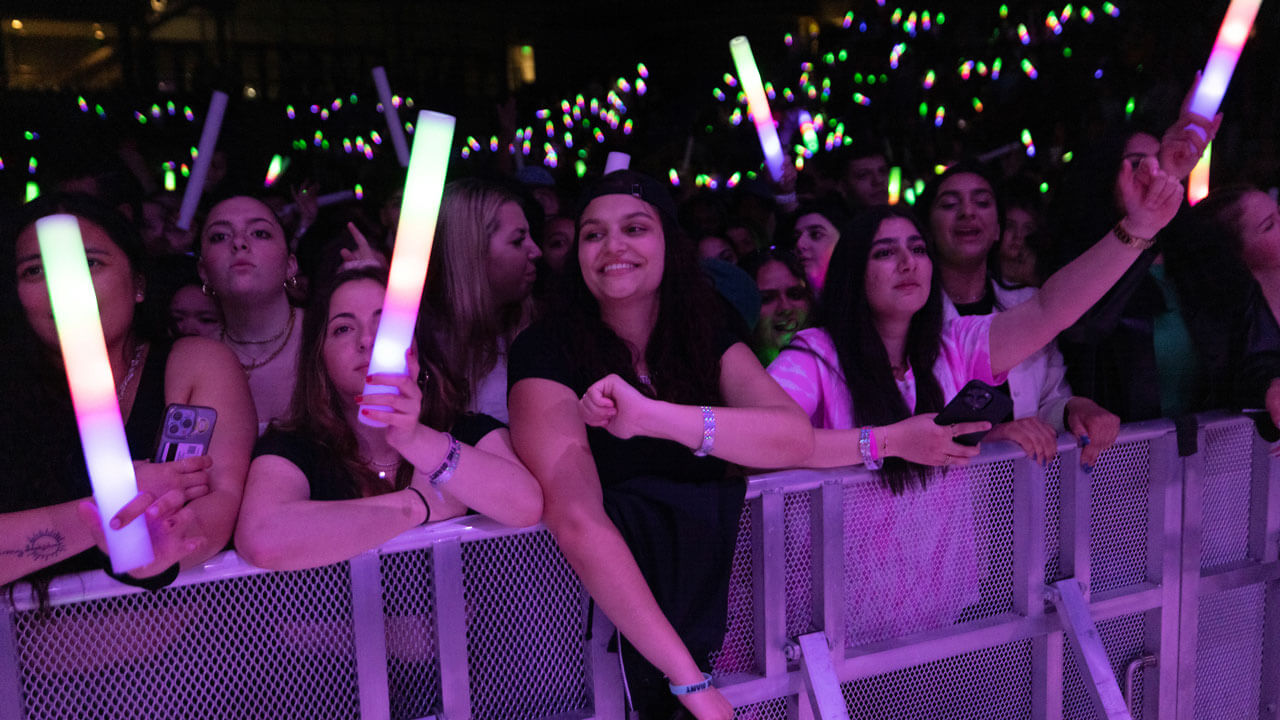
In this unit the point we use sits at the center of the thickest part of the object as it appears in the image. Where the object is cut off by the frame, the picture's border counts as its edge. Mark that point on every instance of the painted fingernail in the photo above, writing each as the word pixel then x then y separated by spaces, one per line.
pixel 364 411
pixel 368 378
pixel 359 398
pixel 1087 468
pixel 1084 440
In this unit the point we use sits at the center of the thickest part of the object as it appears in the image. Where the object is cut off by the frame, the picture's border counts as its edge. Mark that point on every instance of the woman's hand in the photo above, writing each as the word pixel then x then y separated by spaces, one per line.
pixel 1095 427
pixel 363 255
pixel 611 403
pixel 1036 438
pixel 172 526
pixel 189 476
pixel 919 439
pixel 399 412
pixel 707 704
pixel 1151 197
pixel 1182 145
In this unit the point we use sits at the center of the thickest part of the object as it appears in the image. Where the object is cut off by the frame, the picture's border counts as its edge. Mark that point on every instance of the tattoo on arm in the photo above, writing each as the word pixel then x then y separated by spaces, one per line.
pixel 42 545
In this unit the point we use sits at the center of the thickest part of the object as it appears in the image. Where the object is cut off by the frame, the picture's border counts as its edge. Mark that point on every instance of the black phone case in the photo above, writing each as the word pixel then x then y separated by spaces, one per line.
pixel 186 431
pixel 976 401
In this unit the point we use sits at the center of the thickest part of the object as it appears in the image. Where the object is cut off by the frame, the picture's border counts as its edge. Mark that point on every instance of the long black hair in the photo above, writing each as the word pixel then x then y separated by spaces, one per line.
pixel 845 314
pixel 682 354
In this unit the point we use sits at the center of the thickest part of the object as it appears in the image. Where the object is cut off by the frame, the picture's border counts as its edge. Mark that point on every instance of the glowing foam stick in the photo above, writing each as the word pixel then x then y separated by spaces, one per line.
pixel 758 104
pixel 616 161
pixel 1222 61
pixel 204 156
pixel 393 119
pixel 1198 182
pixel 325 200
pixel 93 390
pixel 895 184
pixel 414 237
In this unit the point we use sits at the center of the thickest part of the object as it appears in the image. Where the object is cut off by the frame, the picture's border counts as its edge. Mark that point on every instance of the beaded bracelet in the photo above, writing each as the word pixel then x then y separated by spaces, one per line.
pixel 691 687
pixel 449 465
pixel 708 432
pixel 869 459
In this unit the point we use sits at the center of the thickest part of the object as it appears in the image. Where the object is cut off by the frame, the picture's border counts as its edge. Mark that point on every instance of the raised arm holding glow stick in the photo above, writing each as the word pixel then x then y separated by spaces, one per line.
pixel 414 236
pixel 204 156
pixel 93 390
pixel 394 128
pixel 1222 61
pixel 758 105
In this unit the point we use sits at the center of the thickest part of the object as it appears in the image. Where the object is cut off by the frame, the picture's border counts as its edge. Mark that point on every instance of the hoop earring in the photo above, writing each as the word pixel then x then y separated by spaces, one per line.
pixel 291 283
pixel 207 291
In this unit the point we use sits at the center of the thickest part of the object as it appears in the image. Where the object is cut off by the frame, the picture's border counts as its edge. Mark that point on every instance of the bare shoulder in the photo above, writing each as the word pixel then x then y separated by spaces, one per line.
pixel 195 362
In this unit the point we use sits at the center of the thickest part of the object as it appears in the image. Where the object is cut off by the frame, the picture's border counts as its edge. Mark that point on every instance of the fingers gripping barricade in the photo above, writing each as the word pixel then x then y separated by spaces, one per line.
pixel 976 614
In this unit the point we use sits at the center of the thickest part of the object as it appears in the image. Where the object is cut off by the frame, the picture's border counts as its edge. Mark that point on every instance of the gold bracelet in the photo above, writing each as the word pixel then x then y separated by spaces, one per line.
pixel 1131 240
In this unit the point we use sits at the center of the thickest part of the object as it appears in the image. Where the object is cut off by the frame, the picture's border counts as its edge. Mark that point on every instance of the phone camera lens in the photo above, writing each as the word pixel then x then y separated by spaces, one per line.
pixel 173 429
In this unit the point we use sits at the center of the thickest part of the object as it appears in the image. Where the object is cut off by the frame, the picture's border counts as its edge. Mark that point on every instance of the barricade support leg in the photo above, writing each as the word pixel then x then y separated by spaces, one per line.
pixel 370 631
pixel 820 681
pixel 1068 598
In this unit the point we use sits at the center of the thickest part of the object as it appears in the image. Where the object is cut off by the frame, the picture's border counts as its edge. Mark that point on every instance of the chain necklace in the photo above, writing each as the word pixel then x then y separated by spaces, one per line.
pixel 383 468
pixel 284 328
pixel 288 335
pixel 133 367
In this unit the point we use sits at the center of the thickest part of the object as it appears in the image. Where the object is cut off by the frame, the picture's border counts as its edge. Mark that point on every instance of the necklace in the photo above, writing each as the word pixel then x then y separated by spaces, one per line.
pixel 250 367
pixel 383 468
pixel 226 335
pixel 133 367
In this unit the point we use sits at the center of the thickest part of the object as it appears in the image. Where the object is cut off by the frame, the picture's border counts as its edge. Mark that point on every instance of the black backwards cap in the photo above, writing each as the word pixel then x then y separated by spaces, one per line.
pixel 630 182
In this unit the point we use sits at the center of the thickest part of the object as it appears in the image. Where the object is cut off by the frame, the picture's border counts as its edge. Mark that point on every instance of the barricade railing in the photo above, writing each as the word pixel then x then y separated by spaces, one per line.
pixel 1004 590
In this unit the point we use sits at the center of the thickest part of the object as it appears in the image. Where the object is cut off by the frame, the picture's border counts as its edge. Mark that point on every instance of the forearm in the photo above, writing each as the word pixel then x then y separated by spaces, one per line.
pixel 598 554
pixel 762 437
pixel 215 519
pixel 488 479
pixel 835 448
pixel 310 533
pixel 37 538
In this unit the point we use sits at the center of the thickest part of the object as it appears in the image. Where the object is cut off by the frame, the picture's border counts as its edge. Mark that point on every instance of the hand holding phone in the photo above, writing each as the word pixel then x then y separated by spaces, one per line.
pixel 185 432
pixel 976 401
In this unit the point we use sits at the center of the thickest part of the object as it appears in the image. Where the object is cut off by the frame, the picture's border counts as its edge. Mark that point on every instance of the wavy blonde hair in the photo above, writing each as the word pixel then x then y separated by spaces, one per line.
pixel 461 326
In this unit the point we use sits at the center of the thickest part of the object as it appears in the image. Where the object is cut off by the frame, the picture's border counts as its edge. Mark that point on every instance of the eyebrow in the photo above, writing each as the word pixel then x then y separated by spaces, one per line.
pixel 637 213
pixel 87 251
pixel 268 221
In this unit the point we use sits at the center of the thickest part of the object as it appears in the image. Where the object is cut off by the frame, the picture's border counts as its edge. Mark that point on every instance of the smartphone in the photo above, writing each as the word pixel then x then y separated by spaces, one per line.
pixel 186 431
pixel 976 401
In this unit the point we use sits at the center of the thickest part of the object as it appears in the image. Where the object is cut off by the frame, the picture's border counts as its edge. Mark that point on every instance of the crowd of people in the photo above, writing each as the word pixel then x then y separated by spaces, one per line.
pixel 614 363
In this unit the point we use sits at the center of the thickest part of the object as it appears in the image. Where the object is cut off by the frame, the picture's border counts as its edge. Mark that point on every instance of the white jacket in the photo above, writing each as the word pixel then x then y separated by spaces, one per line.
pixel 1039 383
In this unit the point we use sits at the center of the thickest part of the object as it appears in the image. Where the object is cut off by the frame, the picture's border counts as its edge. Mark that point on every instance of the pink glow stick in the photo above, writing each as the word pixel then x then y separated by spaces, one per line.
pixel 758 104
pixel 1222 60
pixel 204 156
pixel 394 128
pixel 93 390
pixel 432 138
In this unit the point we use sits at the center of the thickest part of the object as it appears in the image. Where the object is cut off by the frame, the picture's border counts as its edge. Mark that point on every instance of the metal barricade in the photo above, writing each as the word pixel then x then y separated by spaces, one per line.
pixel 965 600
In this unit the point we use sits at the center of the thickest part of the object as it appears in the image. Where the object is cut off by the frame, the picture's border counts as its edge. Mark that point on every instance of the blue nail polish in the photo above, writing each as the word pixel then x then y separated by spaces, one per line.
pixel 1084 440
pixel 1087 468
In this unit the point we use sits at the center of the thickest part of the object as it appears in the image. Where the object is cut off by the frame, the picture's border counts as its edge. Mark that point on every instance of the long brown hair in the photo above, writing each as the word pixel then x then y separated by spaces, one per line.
pixel 316 407
pixel 461 327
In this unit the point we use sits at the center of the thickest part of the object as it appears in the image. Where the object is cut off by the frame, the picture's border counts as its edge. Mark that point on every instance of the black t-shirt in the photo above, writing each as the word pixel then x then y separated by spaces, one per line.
pixel 325 473
pixel 542 351
pixel 985 306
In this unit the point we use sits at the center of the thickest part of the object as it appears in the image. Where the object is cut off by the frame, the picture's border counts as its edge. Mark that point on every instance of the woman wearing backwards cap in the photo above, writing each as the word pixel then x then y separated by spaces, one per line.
pixel 631 406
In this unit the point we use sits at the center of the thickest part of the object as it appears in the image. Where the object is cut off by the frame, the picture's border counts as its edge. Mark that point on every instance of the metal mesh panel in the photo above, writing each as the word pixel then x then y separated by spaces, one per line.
pixel 927 559
pixel 526 628
pixel 1118 528
pixel 1053 571
pixel 1228 456
pixel 1123 639
pixel 992 683
pixel 775 709
pixel 408 605
pixel 798 556
pixel 1229 653
pixel 276 645
pixel 738 652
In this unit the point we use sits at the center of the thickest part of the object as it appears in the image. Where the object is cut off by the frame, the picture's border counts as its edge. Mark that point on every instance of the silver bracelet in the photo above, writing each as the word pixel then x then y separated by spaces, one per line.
pixel 708 432
pixel 864 447
pixel 449 465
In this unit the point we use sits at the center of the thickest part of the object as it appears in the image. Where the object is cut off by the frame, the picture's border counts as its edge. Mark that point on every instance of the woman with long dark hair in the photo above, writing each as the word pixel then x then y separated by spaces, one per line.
pixel 325 487
pixel 629 406
pixel 49 523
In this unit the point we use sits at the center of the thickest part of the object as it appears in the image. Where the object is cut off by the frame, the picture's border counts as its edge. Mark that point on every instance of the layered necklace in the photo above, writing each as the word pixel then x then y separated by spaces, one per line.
pixel 286 332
